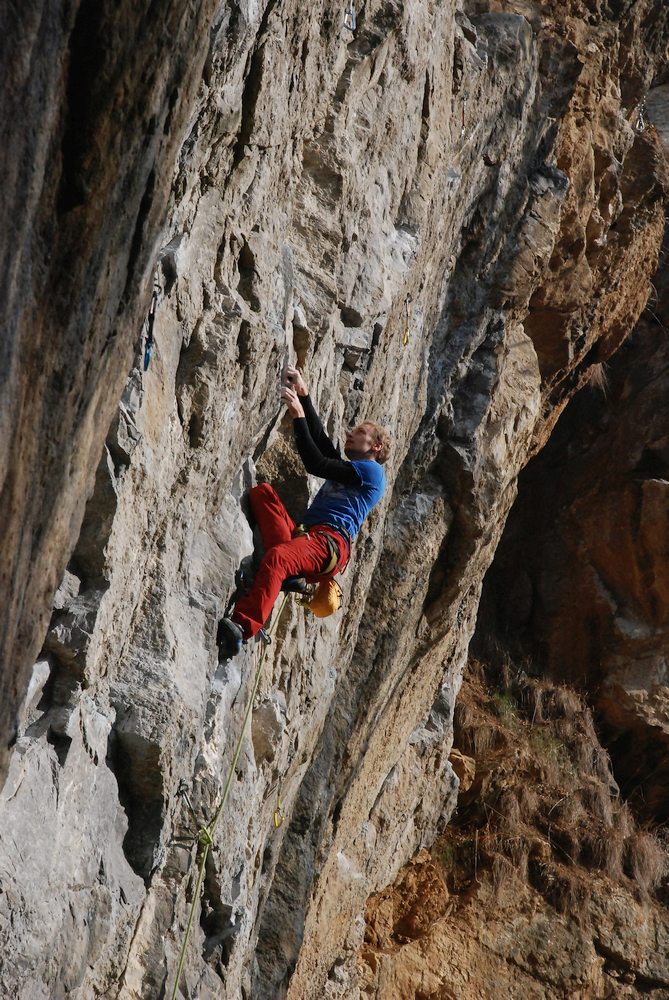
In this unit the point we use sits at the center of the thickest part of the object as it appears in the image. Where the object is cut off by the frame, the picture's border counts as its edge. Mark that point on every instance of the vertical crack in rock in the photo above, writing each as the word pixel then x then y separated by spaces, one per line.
pixel 253 81
pixel 135 763
pixel 86 85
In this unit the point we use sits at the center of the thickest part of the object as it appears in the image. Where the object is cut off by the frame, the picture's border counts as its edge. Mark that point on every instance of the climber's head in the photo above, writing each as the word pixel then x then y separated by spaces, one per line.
pixel 368 440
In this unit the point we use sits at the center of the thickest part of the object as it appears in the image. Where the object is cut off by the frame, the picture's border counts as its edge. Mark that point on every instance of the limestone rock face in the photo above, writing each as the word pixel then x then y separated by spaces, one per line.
pixel 411 210
pixel 94 104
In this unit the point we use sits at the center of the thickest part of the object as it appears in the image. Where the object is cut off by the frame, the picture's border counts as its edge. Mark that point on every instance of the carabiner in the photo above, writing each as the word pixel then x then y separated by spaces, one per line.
pixel 278 816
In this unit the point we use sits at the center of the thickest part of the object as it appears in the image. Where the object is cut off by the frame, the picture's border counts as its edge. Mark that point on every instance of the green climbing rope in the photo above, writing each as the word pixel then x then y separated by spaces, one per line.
pixel 205 834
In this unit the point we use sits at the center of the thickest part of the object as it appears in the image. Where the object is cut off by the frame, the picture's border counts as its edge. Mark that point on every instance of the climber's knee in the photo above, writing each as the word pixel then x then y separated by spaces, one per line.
pixel 275 557
pixel 262 489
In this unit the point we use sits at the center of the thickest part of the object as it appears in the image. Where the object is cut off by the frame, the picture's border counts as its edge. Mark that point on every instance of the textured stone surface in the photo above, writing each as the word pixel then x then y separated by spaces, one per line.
pixel 103 91
pixel 511 943
pixel 581 579
pixel 542 886
pixel 395 209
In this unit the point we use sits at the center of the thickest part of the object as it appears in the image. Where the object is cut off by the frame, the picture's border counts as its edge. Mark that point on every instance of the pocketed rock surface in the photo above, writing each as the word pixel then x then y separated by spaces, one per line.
pixel 446 217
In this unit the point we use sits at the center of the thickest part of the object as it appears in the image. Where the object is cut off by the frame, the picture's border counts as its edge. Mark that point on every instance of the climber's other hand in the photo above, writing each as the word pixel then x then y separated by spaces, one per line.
pixel 292 379
pixel 292 401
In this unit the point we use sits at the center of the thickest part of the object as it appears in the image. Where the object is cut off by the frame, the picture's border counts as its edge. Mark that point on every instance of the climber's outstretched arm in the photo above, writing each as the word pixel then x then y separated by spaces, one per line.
pixel 317 431
pixel 326 464
pixel 292 379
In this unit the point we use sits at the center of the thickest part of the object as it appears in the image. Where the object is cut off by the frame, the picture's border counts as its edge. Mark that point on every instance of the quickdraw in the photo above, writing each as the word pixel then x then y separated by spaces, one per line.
pixel 642 122
pixel 350 20
pixel 278 816
pixel 150 320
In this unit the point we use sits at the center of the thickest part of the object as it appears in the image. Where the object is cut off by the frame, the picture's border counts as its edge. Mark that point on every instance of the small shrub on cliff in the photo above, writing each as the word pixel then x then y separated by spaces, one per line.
pixel 504 706
pixel 544 806
pixel 599 378
pixel 646 859
pixel 550 752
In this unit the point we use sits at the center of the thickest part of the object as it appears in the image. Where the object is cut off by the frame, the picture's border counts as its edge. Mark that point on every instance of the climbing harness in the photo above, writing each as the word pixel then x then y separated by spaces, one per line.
pixel 150 320
pixel 325 597
pixel 205 831
pixel 334 554
pixel 350 20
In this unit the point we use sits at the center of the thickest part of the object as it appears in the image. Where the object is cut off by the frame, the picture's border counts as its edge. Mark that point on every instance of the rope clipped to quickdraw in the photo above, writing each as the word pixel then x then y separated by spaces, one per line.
pixel 150 320
pixel 205 833
pixel 350 20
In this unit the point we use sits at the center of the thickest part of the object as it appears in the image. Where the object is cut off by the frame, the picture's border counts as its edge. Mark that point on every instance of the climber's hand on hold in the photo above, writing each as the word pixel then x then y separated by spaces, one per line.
pixel 292 401
pixel 292 379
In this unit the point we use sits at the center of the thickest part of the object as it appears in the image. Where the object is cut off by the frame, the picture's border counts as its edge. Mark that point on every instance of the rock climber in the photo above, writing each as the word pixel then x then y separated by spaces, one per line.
pixel 320 546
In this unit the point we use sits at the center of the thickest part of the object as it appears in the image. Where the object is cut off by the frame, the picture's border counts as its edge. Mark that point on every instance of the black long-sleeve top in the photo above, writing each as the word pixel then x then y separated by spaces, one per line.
pixel 320 456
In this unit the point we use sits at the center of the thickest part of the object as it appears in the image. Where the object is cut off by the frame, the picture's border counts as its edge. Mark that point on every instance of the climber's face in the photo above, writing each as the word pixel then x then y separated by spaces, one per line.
pixel 360 443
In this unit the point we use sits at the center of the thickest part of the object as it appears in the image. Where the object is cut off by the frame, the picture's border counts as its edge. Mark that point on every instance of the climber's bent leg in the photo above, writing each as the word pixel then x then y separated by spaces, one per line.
pixel 304 554
pixel 274 522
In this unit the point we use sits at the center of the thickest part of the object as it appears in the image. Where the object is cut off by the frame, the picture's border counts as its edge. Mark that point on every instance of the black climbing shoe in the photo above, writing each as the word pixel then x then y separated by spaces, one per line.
pixel 243 581
pixel 298 585
pixel 229 639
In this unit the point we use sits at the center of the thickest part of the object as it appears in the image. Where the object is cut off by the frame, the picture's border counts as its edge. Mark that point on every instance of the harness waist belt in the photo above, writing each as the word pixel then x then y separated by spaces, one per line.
pixel 334 544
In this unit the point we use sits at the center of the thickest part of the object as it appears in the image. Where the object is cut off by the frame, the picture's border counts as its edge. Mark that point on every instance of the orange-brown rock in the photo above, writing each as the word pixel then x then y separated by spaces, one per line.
pixel 464 767
pixel 551 891
pixel 406 910
pixel 582 576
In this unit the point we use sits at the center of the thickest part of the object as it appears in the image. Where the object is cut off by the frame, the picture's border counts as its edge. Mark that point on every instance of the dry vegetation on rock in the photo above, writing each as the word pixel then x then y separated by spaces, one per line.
pixel 544 797
pixel 541 828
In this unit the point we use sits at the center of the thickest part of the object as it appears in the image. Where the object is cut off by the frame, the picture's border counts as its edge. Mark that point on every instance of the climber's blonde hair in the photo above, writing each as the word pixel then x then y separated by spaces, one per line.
pixel 379 435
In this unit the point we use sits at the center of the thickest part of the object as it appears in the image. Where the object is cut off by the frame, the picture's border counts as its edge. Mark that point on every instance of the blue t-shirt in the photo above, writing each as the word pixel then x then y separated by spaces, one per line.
pixel 347 506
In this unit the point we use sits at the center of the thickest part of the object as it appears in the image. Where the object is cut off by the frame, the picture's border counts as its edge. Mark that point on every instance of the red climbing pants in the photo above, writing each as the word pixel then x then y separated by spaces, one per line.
pixel 285 555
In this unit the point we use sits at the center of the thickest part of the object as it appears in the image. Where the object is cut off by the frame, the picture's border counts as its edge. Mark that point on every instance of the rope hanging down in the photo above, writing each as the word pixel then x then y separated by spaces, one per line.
pixel 205 833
